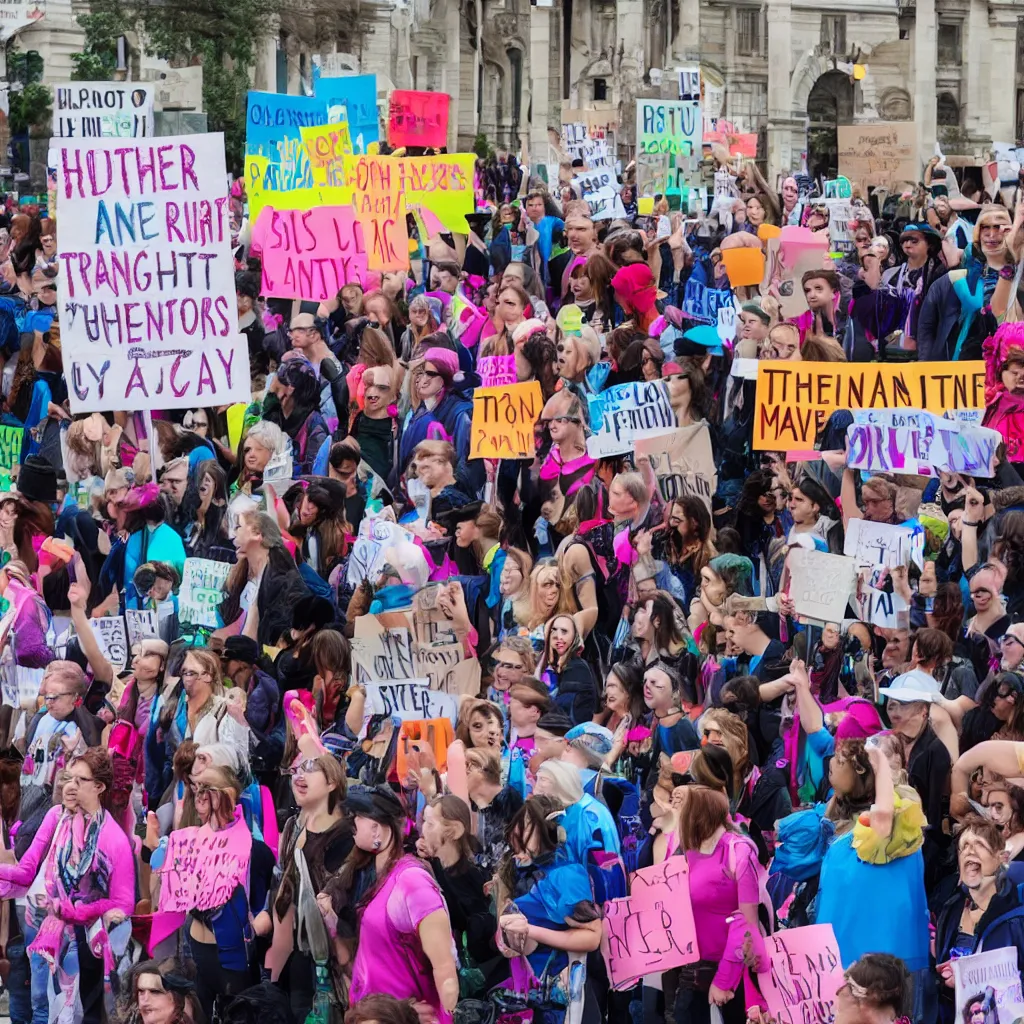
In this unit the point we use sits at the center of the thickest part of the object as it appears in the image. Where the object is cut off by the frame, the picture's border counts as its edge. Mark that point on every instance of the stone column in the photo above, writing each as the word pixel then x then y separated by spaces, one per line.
pixel 780 112
pixel 264 74
pixel 540 55
pixel 976 60
pixel 1001 60
pixel 925 60
pixel 686 45
pixel 451 73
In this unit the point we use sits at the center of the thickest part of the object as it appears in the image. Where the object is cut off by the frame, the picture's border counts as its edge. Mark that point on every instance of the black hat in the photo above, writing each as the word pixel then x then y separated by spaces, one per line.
pixel 464 514
pixel 37 480
pixel 378 803
pixel 555 721
pixel 241 648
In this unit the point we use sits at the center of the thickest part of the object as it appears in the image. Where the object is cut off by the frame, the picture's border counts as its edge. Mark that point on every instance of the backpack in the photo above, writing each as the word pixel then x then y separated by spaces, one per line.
pixel 765 909
pixel 623 800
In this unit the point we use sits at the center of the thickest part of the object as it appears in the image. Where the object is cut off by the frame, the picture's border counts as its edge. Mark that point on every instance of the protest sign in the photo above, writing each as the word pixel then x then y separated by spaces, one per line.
pixel 10 447
pixel 668 126
pixel 201 591
pixel 919 443
pixel 142 624
pixel 102 110
pixel 418 119
pixel 445 664
pixel 621 414
pixel 988 983
pixel 352 98
pixel 598 123
pixel 503 421
pixel 840 230
pixel 682 462
pixel 381 541
pixel 273 129
pixel 652 173
pixel 744 265
pixel 805 974
pixel 410 700
pixel 787 260
pixel 496 371
pixel 874 605
pixel 600 188
pixel 882 543
pixel 112 639
pixel 310 254
pixel 820 584
pixel 794 400
pixel 702 302
pixel 652 929
pixel 380 653
pixel 879 154
pixel 327 145
pixel 18 14
pixel 202 868
pixel 149 316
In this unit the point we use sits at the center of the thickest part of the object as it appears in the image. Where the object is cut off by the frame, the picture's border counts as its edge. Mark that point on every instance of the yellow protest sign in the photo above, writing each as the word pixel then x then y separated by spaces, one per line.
pixel 503 421
pixel 327 145
pixel 794 400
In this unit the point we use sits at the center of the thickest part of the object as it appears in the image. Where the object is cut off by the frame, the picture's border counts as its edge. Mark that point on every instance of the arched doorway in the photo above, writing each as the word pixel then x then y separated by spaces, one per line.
pixel 829 104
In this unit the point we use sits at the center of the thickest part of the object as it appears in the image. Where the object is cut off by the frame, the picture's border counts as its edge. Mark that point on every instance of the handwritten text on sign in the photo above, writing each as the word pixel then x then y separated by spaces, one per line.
pixel 668 126
pixel 626 412
pixel 202 590
pixel 309 254
pixel 805 974
pixel 821 584
pixel 652 929
pixel 794 400
pixel 149 317
pixel 102 110
pixel 418 119
pixel 683 462
pixel 883 544
pixel 410 700
pixel 203 867
pixel 10 446
pixel 503 420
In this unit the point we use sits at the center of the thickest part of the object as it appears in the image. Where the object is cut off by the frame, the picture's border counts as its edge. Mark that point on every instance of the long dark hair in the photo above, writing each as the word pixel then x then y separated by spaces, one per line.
pixel 844 808
pixel 630 674
pixel 698 525
pixel 532 819
pixel 755 486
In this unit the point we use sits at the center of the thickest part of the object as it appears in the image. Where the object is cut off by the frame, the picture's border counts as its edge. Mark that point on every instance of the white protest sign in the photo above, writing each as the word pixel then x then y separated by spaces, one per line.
pixel 604 199
pixel 683 462
pixel 878 543
pixel 410 700
pixel 380 654
pixel 989 983
pixel 202 590
pixel 622 414
pixel 743 368
pixel 142 624
pixel 840 234
pixel 888 611
pixel 919 443
pixel 112 638
pixel 727 323
pixel 380 542
pixel 573 137
pixel 821 584
pixel 149 316
pixel 103 110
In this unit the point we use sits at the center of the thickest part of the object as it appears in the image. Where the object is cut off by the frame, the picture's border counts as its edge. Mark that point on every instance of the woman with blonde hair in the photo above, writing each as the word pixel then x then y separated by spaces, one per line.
pixel 510 311
pixel 817 348
pixel 514 590
pixel 784 343
pixel 547 598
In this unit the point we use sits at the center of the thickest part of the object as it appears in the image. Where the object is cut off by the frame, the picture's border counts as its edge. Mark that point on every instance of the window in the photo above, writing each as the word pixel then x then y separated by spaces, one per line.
pixel 515 63
pixel 949 45
pixel 748 32
pixel 600 88
pixel 833 33
pixel 947 110
pixel 1020 113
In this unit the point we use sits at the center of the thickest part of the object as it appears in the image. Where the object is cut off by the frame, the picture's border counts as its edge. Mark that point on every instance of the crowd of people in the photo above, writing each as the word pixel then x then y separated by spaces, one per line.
pixel 640 686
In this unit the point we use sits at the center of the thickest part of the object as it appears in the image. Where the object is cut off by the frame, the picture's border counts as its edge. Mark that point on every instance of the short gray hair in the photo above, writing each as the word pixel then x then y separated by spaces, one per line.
pixel 268 435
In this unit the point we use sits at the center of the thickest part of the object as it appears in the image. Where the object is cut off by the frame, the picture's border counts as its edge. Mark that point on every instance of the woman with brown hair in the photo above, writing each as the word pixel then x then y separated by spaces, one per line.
pixel 513 609
pixel 159 992
pixel 683 544
pixel 480 726
pixel 591 284
pixel 510 311
pixel 568 676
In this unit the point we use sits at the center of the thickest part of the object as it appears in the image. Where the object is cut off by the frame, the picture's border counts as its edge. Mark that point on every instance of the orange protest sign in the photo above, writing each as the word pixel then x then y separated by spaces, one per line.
pixel 766 231
pixel 503 420
pixel 744 266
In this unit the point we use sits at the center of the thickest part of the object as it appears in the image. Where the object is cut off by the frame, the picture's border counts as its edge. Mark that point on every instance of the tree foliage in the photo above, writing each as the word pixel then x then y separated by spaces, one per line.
pixel 222 35
pixel 31 102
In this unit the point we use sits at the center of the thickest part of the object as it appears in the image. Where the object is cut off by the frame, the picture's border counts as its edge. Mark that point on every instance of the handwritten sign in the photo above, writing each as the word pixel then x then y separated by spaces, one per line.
pixel 309 254
pixel 273 129
pixel 820 584
pixel 881 543
pixel 327 145
pixel 989 983
pixel 703 304
pixel 201 592
pixel 626 412
pixel 794 400
pixel 496 371
pixel 202 868
pixel 668 126
pixel 149 316
pixel 102 110
pixel 142 625
pixel 110 634
pixel 10 446
pixel 806 973
pixel 418 119
pixel 683 462
pixel 352 98
pixel 652 929
pixel 503 421
pixel 600 188
pixel 919 443
pixel 410 700
pixel 874 605
pixel 879 154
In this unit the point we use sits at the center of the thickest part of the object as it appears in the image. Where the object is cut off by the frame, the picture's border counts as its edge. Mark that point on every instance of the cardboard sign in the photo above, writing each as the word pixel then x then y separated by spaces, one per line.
pixel 202 868
pixel 806 973
pixel 310 254
pixel 142 625
pixel 112 639
pixel 683 462
pixel 652 929
pixel 10 446
pixel 503 421
pixel 626 412
pixel 880 154
pixel 821 584
pixel 410 700
pixel 201 592
pixel 919 443
pixel 149 315
pixel 418 119
pixel 794 400
pixel 881 543
pixel 840 231
pixel 497 371
pixel 102 110
pixel 989 983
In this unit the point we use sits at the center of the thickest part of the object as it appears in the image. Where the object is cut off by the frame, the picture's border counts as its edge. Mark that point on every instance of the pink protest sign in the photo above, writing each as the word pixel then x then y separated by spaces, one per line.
pixel 418 118
pixel 202 867
pixel 652 929
pixel 496 371
pixel 805 974
pixel 309 254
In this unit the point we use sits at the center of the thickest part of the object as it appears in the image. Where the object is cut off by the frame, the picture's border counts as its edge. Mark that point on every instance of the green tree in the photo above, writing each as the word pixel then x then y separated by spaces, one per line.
pixel 98 61
pixel 31 102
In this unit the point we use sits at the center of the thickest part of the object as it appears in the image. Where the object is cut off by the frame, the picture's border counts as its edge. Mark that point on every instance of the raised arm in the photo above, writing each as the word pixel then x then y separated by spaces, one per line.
pixel 102 670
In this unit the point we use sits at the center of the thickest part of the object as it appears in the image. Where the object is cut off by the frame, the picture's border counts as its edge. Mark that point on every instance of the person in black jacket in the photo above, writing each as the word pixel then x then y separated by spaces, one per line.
pixel 566 674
